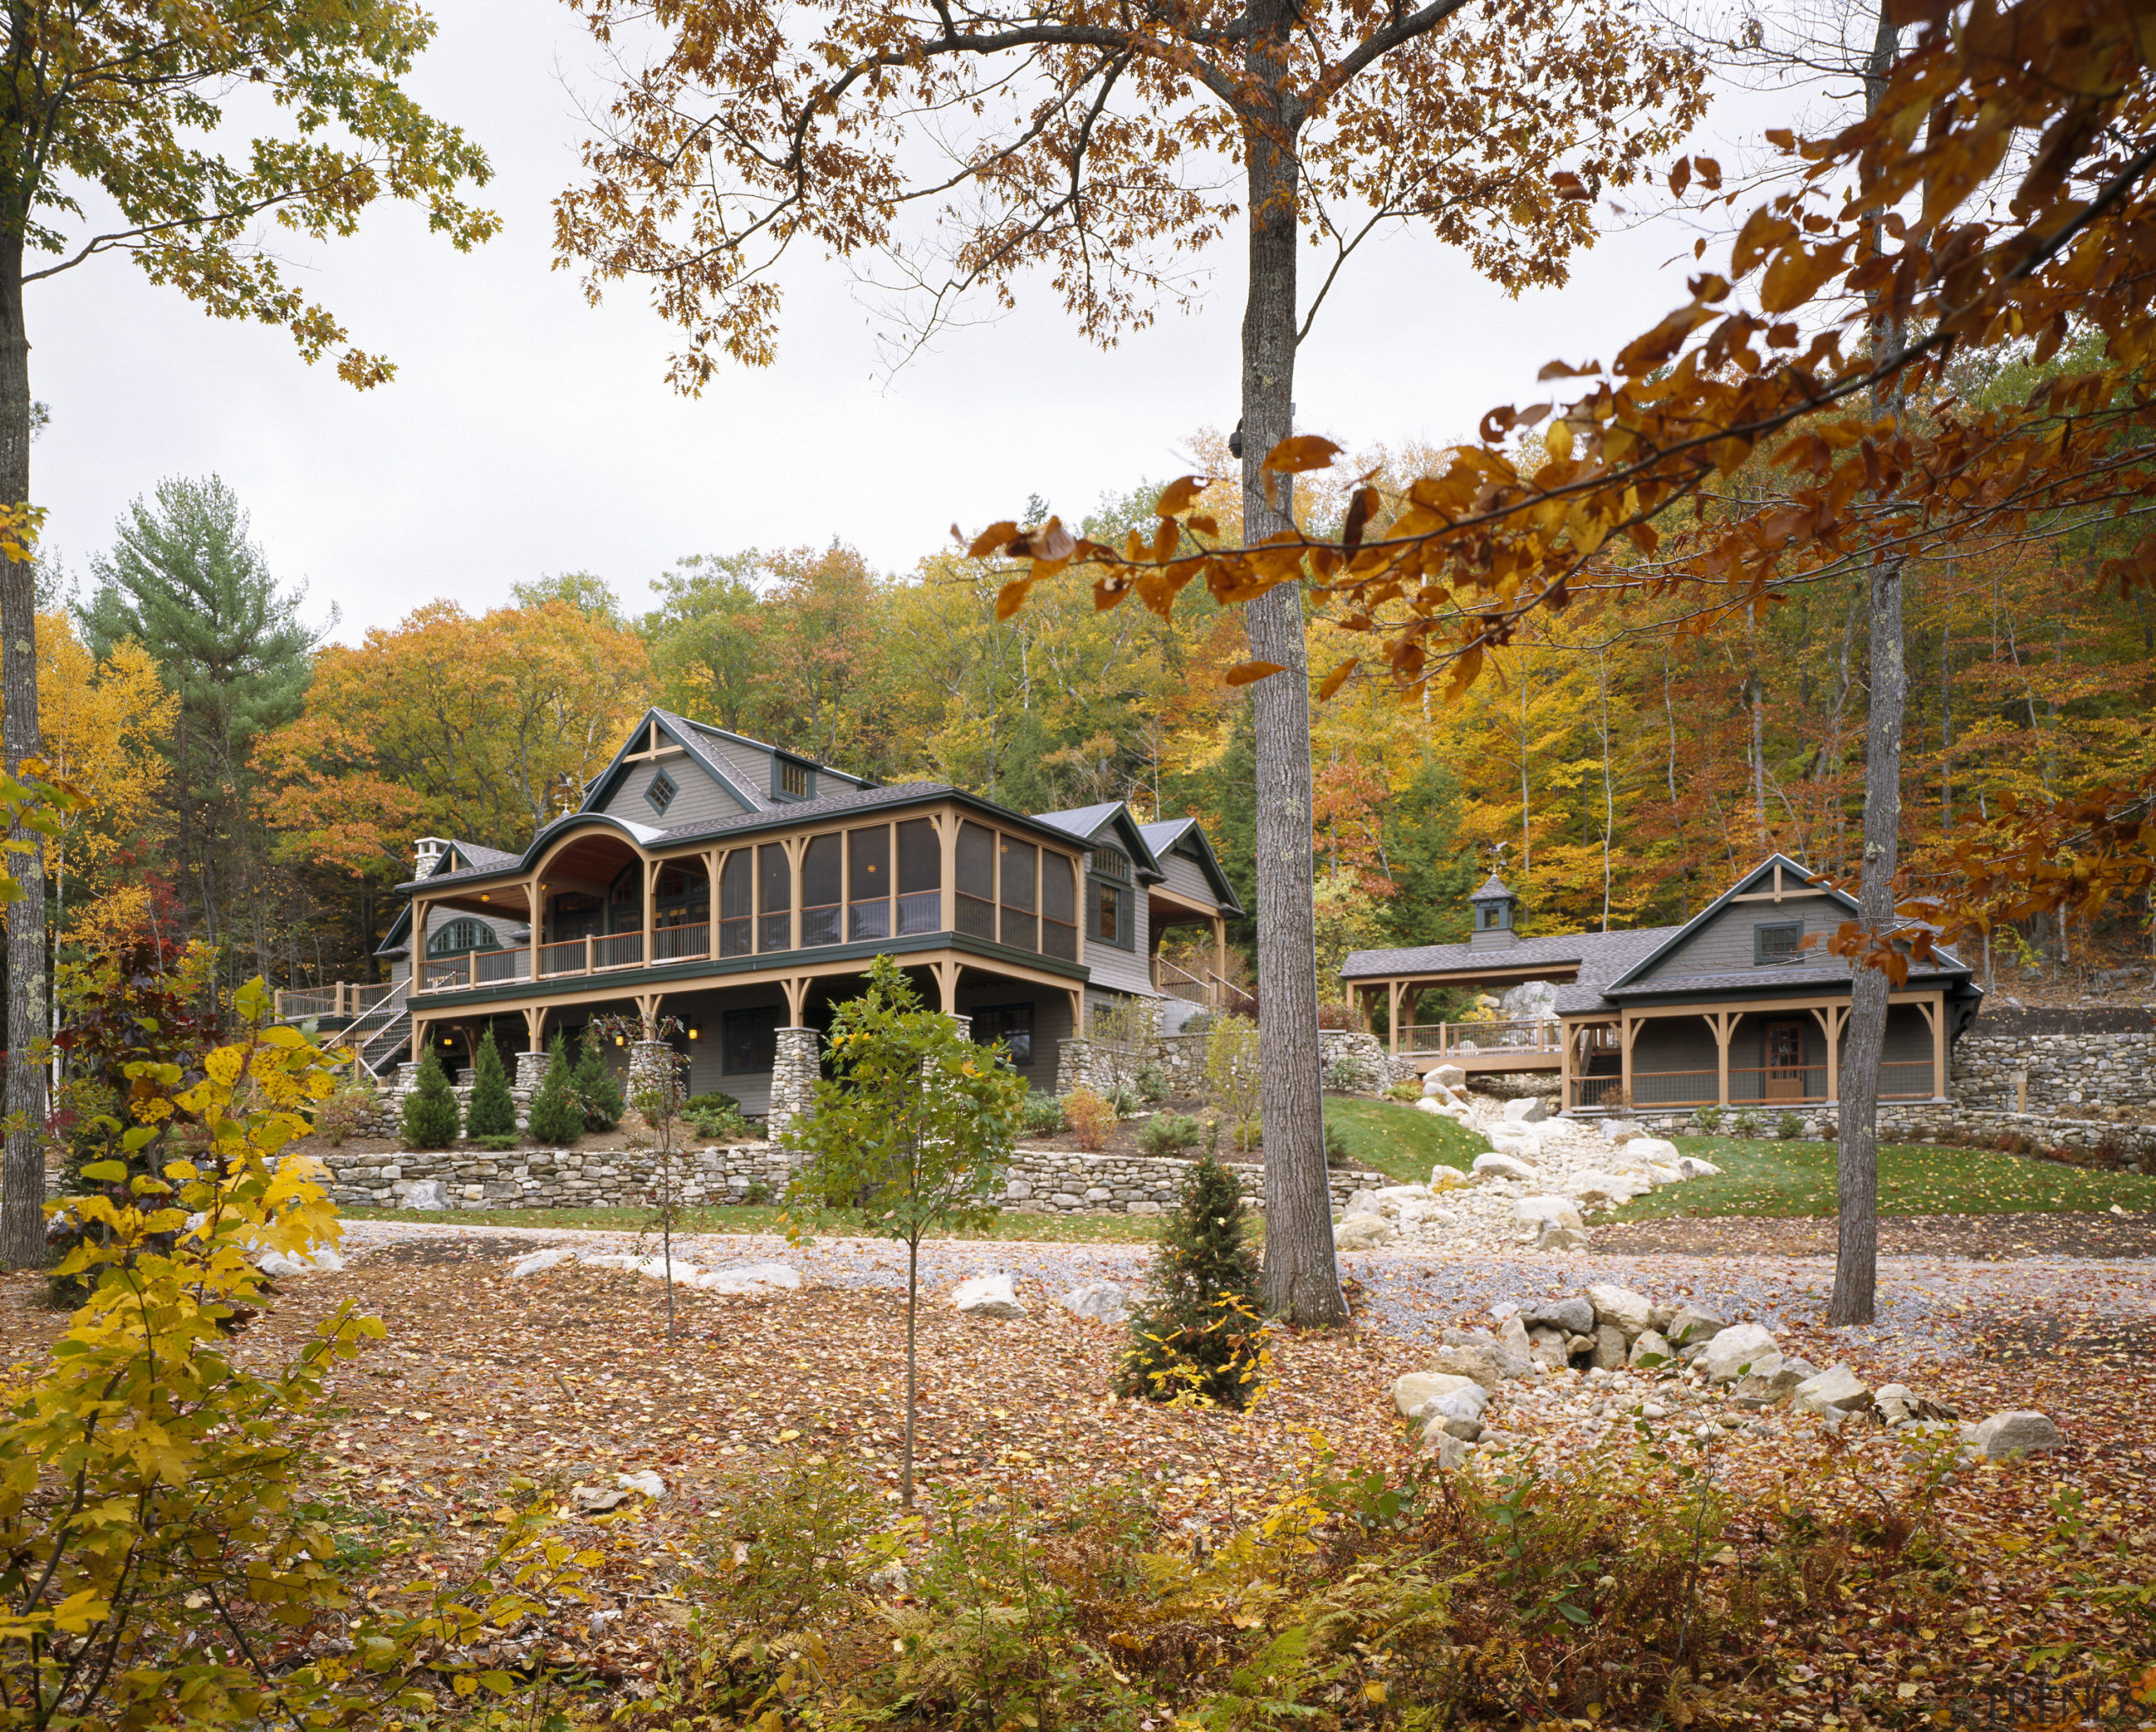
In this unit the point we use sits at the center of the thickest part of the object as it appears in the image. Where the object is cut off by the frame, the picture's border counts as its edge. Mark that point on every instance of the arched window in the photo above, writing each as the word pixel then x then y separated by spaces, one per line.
pixel 461 935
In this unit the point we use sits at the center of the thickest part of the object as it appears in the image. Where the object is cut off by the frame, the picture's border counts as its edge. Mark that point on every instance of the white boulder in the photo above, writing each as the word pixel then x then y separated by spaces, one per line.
pixel 989 1295
pixel 1394 1197
pixel 739 1279
pixel 1652 1345
pixel 1420 1393
pixel 2023 1431
pixel 1102 1301
pixel 1359 1233
pixel 1837 1389
pixel 1497 1165
pixel 1621 1307
pixel 643 1480
pixel 539 1260
pixel 422 1194
pixel 1692 1167
pixel 1445 1076
pixel 1531 1110
pixel 1594 1186
pixel 321 1261
pixel 1741 1348
pixel 1446 1178
pixel 1621 1130
pixel 1533 1211
pixel 1656 1150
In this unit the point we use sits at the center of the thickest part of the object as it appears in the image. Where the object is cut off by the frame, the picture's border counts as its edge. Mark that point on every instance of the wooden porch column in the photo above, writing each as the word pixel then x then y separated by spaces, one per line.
pixel 1626 1028
pixel 1936 1012
pixel 1392 990
pixel 420 1027
pixel 946 841
pixel 650 909
pixel 1565 1101
pixel 713 856
pixel 1219 993
pixel 648 1004
pixel 796 987
pixel 946 987
pixel 794 849
pixel 1724 1024
pixel 538 922
pixel 535 1026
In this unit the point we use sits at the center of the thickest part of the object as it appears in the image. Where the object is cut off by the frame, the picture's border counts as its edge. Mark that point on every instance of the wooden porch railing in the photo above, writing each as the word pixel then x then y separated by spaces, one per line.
pixel 1525 1034
pixel 302 1004
pixel 1749 1085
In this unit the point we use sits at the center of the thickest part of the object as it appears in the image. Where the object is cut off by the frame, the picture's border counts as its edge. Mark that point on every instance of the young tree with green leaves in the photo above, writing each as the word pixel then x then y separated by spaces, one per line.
pixel 116 107
pixel 912 1131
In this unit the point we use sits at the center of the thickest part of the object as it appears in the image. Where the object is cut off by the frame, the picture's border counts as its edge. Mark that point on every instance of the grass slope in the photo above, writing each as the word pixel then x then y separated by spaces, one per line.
pixel 1401 1141
pixel 1769 1178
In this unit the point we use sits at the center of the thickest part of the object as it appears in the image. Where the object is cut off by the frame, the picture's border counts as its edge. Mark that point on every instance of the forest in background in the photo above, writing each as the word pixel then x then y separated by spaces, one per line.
pixel 252 784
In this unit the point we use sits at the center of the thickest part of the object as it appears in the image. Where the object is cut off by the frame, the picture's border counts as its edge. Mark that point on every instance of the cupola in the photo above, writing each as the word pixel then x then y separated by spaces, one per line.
pixel 1494 906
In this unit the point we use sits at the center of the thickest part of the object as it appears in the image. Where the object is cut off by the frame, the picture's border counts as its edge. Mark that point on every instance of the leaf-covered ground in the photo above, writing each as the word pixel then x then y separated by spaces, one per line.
pixel 489 1392
pixel 1774 1178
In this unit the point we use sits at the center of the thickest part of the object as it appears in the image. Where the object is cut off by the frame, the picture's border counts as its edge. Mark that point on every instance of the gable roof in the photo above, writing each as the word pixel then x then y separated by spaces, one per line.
pixel 1085 823
pixel 1172 834
pixel 1826 967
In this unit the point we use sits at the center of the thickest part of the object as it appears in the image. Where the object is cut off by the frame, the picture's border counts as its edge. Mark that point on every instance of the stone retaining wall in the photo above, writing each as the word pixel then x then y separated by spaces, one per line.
pixel 2069 1075
pixel 1045 1181
pixel 1948 1123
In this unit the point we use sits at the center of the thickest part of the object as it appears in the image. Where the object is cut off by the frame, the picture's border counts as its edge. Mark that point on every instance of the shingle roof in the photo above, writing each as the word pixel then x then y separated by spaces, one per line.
pixel 1080 820
pixel 483 858
pixel 1600 957
pixel 692 735
pixel 1835 973
pixel 1163 834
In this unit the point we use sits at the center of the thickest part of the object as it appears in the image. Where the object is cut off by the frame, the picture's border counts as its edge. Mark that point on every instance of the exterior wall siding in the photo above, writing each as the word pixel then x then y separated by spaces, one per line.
pixel 1688 1043
pixel 1725 946
pixel 1051 1024
pixel 1186 879
pixel 700 800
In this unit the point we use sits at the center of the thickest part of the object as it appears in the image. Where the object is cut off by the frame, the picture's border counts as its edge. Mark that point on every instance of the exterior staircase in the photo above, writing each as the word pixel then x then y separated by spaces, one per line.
pixel 382 1031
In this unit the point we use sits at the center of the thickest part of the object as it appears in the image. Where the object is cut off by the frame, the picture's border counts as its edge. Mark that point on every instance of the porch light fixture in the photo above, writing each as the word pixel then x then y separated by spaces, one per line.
pixel 483 896
pixel 617 1040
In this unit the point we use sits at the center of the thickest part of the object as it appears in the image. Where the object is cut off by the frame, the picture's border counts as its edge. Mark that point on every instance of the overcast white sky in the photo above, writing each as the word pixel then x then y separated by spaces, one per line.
pixel 528 433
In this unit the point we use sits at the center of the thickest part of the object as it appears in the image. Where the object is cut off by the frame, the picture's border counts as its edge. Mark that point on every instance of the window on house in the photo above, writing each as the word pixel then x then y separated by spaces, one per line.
pixel 774 898
pixel 975 883
pixel 1111 917
pixel 1776 941
pixel 736 908
pixel 868 883
pixel 821 867
pixel 1059 909
pixel 920 877
pixel 461 935
pixel 792 779
pixel 1111 863
pixel 1021 929
pixel 1010 1023
pixel 750 1040
pixel 661 792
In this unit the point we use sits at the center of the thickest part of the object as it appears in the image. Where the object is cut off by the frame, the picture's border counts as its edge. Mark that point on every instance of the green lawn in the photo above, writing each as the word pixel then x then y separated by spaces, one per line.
pixel 1401 1142
pixel 1768 1177
pixel 1053 1229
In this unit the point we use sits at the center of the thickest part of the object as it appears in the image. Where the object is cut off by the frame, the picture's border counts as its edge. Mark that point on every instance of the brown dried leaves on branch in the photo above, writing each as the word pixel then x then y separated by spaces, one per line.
pixel 1784 364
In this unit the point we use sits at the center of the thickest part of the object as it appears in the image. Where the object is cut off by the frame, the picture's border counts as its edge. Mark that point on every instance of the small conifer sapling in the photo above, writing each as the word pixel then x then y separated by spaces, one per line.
pixel 431 1115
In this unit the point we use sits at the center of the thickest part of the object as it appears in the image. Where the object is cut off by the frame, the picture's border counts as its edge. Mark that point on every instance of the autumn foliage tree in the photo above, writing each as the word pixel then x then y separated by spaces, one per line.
pixel 1090 151
pixel 1889 260
pixel 117 108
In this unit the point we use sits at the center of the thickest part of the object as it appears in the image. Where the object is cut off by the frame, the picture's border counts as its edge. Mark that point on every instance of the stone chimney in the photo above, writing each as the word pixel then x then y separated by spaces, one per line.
pixel 425 853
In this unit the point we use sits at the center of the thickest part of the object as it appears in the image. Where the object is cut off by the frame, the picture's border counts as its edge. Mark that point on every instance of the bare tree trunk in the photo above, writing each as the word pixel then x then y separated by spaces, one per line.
pixel 21 1175
pixel 1302 1280
pixel 913 1313
pixel 1856 1164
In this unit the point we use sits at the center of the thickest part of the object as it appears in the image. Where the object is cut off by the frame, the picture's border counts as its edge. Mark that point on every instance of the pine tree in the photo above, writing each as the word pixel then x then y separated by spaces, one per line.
pixel 555 1121
pixel 598 1092
pixel 431 1109
pixel 1198 1327
pixel 491 1114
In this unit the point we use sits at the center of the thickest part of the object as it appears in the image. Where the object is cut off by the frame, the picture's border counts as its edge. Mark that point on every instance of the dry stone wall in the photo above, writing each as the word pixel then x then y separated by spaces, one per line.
pixel 1949 1124
pixel 2067 1075
pixel 1044 1181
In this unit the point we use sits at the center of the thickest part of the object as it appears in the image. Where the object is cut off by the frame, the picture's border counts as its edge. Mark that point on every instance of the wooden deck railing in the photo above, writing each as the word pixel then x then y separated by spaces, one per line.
pixel 303 1004
pixel 1523 1035
pixel 1749 1085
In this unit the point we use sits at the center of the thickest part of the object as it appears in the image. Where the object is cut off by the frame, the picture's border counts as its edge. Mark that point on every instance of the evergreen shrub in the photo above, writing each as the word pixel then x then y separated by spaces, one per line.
pixel 1198 1329
pixel 431 1117
pixel 490 1119
pixel 555 1121
pixel 597 1090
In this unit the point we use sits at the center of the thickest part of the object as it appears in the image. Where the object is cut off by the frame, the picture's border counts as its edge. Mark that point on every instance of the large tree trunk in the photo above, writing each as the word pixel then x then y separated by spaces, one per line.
pixel 21 1175
pixel 1302 1281
pixel 1856 1256
pixel 1856 1156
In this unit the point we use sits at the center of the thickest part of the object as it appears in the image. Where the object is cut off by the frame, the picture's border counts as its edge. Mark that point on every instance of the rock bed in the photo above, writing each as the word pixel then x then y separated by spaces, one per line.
pixel 1544 1177
pixel 1555 1368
